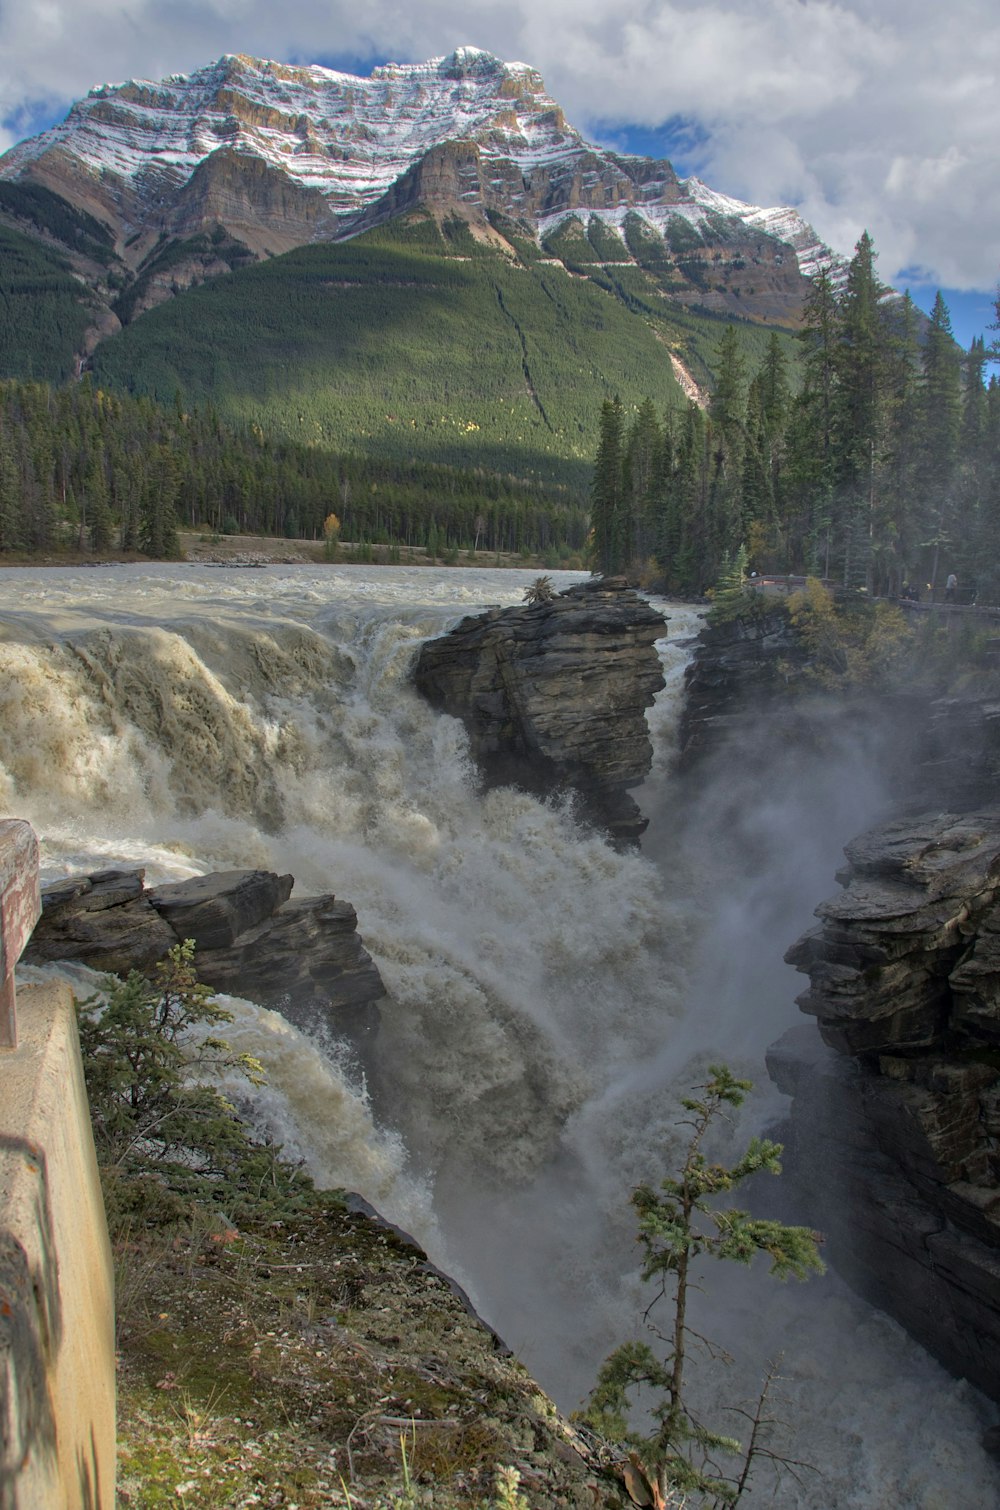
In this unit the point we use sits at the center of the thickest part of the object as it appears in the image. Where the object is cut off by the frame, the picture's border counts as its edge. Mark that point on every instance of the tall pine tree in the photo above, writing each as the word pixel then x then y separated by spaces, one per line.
pixel 609 524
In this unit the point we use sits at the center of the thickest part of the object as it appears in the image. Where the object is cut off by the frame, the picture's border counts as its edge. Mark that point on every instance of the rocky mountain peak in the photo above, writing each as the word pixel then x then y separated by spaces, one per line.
pixel 260 157
pixel 128 152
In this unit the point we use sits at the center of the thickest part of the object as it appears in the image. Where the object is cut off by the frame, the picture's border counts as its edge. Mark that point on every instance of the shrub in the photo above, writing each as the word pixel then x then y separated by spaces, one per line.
pixel 331 537
pixel 164 1134
pixel 856 641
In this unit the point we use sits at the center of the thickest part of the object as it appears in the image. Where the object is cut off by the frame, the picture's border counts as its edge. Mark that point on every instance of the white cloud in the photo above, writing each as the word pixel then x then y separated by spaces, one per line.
pixel 877 113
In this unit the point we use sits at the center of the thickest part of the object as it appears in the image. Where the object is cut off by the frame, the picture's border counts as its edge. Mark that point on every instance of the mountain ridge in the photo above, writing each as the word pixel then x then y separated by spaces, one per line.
pixel 148 158
pixel 426 265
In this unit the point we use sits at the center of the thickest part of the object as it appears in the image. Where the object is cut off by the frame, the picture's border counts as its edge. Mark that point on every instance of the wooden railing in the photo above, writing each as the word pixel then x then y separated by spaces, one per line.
pixel 20 909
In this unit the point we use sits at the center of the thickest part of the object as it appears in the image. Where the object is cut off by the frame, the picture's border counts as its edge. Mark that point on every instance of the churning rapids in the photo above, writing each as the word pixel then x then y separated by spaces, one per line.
pixel 549 998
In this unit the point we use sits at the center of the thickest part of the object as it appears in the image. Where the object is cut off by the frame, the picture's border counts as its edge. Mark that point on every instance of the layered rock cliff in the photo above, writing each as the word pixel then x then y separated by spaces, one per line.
pixel 893 1137
pixel 554 695
pixel 896 1126
pixel 739 664
pixel 302 957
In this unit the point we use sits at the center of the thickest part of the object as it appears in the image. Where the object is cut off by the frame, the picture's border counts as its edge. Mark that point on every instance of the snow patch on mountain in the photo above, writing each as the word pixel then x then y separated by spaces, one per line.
pixel 781 221
pixel 349 139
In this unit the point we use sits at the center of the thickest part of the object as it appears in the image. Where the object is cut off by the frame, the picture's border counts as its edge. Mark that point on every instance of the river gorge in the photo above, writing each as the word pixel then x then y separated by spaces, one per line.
pixel 550 996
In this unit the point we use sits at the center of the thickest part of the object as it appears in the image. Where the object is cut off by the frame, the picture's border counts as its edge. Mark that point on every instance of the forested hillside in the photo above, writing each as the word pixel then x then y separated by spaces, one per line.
pixel 410 343
pixel 433 389
pixel 84 469
pixel 876 464
pixel 43 310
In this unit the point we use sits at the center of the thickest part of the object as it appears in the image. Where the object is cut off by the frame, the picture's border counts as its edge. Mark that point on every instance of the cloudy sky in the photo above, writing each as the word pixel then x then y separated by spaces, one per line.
pixel 882 114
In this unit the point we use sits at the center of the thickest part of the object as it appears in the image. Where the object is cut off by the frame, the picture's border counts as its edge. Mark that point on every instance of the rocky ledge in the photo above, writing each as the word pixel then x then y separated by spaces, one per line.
pixel 320 1349
pixel 901 1111
pixel 554 695
pixel 739 663
pixel 301 957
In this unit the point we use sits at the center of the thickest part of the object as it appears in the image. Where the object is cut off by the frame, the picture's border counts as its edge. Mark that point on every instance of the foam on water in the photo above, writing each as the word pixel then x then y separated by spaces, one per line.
pixel 549 998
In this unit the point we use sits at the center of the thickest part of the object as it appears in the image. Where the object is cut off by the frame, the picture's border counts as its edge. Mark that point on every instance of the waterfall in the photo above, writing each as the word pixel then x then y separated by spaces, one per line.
pixel 549 998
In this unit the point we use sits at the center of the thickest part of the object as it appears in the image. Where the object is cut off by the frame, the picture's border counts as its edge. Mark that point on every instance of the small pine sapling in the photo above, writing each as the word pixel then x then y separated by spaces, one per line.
pixel 731 597
pixel 679 1224
pixel 164 1134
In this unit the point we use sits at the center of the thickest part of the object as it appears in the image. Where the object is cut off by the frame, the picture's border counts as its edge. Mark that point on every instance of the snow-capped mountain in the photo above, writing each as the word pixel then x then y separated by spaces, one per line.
pixel 282 155
pixel 347 138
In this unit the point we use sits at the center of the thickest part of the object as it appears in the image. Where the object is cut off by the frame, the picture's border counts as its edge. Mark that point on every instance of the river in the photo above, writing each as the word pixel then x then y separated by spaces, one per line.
pixel 549 998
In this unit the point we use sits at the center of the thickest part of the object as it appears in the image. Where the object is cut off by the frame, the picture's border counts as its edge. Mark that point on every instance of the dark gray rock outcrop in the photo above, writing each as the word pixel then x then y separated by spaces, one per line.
pixel 215 910
pixel 302 957
pixel 554 695
pixel 104 920
pixel 745 661
pixel 960 748
pixel 907 957
pixel 901 1112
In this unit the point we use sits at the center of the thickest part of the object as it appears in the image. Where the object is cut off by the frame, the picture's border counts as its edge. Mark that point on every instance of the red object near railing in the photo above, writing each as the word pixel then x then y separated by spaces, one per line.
pixel 20 909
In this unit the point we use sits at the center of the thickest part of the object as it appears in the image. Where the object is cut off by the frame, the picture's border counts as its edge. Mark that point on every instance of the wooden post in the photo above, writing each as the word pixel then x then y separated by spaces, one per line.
pixel 20 909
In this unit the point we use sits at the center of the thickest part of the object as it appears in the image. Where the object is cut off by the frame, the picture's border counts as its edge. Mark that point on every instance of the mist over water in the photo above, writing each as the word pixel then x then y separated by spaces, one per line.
pixel 549 998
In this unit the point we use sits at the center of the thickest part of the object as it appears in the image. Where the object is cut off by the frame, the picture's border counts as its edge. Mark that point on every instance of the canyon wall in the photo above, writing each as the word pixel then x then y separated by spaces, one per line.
pixel 893 1134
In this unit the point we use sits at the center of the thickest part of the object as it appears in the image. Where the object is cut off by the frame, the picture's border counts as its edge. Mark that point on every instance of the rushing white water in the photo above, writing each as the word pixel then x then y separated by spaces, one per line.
pixel 549 998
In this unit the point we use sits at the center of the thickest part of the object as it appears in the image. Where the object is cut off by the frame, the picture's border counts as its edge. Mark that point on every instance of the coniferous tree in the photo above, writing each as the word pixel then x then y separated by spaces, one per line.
pixel 607 505
pixel 978 486
pixel 974 401
pixel 757 503
pixel 858 401
pixel 775 399
pixel 642 464
pixel 10 512
pixel 665 523
pixel 941 418
pixel 98 506
pixel 727 413
pixel 159 519
pixel 689 571
pixel 810 463
pixel 681 1223
pixel 897 521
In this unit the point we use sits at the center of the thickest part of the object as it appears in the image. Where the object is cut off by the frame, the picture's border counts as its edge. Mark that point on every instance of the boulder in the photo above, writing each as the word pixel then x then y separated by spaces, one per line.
pixel 553 695
pixel 215 910
pixel 104 920
pixel 301 957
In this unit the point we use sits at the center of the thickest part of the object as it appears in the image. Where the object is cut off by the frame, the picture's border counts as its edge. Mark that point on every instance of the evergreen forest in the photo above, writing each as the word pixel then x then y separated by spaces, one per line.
pixel 431 390
pixel 871 461
pixel 84 469
pixel 43 317
pixel 414 342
